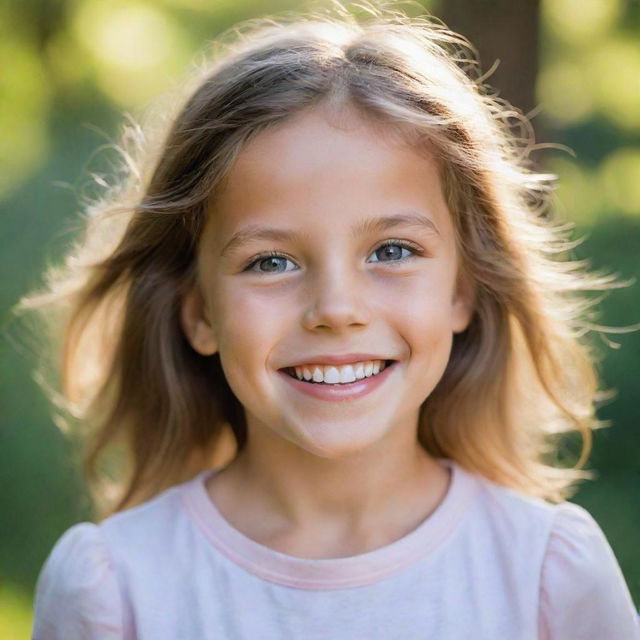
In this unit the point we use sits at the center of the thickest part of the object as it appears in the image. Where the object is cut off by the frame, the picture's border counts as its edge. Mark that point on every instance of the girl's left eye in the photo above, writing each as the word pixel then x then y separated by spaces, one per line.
pixel 389 251
pixel 394 248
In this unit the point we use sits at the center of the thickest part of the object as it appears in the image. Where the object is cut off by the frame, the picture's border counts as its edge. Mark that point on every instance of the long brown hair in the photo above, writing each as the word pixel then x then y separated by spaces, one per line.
pixel 152 411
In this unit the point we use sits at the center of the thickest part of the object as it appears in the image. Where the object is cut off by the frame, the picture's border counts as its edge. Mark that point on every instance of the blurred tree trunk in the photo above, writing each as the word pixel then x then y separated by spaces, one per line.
pixel 504 30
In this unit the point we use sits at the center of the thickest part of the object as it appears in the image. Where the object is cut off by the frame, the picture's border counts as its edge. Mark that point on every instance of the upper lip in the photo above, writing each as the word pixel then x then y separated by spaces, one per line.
pixel 347 358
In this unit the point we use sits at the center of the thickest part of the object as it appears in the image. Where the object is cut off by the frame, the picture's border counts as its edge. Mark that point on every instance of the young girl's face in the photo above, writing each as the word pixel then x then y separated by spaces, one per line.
pixel 293 270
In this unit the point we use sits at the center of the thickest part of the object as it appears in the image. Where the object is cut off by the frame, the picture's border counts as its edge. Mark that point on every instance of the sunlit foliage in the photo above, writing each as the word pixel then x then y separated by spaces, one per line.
pixel 70 65
pixel 590 73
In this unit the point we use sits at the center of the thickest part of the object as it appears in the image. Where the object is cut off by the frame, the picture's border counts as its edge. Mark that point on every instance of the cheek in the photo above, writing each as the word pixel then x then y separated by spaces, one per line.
pixel 248 323
pixel 427 325
pixel 421 301
pixel 419 310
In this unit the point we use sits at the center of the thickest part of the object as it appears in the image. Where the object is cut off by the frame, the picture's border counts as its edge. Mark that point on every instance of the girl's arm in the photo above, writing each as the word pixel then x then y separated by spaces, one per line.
pixel 77 594
pixel 583 593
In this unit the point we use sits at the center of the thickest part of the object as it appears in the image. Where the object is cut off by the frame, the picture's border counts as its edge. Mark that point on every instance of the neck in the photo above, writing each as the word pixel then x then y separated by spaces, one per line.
pixel 281 495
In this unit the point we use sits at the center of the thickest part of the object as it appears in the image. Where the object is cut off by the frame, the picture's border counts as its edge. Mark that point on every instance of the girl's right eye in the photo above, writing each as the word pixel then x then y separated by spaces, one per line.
pixel 269 263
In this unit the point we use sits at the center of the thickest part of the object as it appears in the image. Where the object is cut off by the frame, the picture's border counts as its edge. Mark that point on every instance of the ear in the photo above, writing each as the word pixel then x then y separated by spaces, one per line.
pixel 195 323
pixel 463 303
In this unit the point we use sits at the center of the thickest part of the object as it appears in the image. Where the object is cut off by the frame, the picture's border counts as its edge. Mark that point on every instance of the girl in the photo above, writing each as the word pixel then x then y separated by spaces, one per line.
pixel 339 255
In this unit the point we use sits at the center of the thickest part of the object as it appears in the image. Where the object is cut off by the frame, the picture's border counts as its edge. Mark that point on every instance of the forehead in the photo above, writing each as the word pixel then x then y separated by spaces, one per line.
pixel 327 169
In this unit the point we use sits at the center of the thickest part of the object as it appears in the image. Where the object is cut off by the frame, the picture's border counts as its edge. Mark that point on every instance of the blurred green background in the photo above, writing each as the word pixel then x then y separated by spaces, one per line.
pixel 71 68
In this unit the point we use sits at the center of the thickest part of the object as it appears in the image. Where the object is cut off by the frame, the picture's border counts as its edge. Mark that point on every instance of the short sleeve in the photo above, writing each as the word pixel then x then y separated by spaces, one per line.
pixel 583 595
pixel 77 595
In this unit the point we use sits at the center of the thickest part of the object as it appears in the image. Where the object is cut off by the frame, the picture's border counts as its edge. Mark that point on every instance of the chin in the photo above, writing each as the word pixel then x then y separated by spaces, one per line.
pixel 336 446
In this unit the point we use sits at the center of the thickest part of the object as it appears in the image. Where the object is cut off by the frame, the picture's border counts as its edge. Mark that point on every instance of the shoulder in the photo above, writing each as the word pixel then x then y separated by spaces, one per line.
pixel 576 540
pixel 77 593
pixel 583 593
pixel 80 586
pixel 131 526
pixel 155 541
pixel 162 527
pixel 562 549
pixel 579 560
pixel 515 516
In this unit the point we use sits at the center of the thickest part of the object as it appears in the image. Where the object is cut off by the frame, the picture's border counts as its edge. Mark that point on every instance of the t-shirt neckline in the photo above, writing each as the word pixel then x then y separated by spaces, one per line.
pixel 330 573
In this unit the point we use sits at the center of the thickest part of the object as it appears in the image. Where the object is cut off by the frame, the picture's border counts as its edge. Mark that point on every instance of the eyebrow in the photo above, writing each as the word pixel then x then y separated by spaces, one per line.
pixel 365 227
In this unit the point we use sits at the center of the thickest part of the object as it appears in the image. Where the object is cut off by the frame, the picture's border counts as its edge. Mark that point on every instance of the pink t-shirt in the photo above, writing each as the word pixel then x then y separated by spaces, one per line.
pixel 488 563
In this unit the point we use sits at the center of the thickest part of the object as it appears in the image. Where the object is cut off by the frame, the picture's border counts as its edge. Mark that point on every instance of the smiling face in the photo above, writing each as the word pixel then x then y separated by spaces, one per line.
pixel 363 261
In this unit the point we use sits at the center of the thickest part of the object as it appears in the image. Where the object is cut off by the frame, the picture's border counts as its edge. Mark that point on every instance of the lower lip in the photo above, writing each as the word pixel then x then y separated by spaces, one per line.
pixel 337 392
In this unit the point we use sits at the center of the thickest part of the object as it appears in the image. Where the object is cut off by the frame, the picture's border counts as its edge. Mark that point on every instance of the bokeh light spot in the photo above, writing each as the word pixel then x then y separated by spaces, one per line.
pixel 578 196
pixel 24 141
pixel 132 36
pixel 614 67
pixel 620 174
pixel 564 92
pixel 579 22
pixel 137 49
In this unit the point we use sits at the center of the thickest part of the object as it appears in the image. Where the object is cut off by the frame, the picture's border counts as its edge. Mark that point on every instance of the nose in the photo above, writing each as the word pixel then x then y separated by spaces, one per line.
pixel 336 300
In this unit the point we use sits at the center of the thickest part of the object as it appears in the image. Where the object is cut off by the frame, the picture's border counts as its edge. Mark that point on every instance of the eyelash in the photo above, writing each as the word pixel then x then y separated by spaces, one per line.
pixel 414 248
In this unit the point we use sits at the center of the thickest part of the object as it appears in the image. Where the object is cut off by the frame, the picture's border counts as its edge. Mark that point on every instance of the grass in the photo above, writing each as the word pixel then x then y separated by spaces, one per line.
pixel 16 614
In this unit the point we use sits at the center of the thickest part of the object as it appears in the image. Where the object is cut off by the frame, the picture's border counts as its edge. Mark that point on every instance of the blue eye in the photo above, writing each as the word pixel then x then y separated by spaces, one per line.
pixel 389 252
pixel 271 262
pixel 393 249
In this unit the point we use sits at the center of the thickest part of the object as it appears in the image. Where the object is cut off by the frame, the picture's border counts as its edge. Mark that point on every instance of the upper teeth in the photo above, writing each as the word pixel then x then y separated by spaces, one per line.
pixel 334 374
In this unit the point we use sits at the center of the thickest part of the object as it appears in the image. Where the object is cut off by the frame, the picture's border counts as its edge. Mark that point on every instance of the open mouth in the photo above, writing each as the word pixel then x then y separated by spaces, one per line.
pixel 338 376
